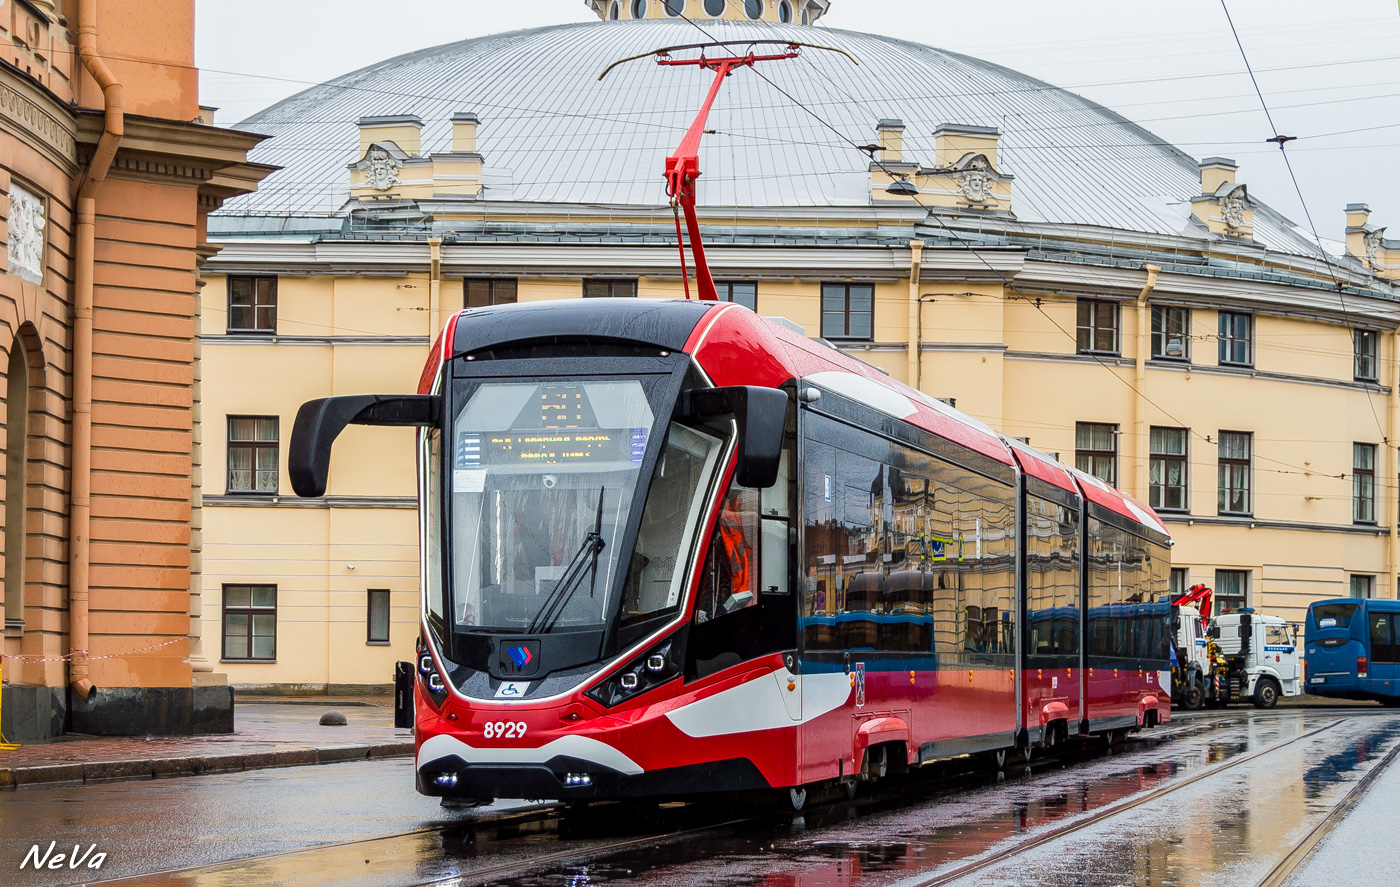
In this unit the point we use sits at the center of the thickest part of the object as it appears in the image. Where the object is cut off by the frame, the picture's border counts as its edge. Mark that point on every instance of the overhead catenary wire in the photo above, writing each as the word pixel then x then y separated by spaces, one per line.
pixel 1006 282
pixel 1282 142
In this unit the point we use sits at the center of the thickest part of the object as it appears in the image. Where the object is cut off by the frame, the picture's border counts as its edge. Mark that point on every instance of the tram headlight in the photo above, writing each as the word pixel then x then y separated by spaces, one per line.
pixel 650 670
pixel 432 682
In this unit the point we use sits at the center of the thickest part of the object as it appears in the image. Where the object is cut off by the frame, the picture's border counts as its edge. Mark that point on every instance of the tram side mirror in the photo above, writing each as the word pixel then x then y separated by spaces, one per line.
pixel 760 413
pixel 319 422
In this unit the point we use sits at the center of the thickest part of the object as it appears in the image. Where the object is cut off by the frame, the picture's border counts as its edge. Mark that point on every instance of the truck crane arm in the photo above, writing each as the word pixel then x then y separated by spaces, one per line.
pixel 1195 593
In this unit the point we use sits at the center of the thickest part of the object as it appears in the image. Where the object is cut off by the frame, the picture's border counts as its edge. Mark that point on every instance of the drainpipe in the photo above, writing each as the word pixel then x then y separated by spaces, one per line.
pixel 1392 559
pixel 84 248
pixel 1140 457
pixel 916 319
pixel 434 288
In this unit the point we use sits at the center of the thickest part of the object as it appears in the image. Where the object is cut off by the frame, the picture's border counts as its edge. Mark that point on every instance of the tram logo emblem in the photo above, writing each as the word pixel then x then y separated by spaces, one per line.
pixel 519 658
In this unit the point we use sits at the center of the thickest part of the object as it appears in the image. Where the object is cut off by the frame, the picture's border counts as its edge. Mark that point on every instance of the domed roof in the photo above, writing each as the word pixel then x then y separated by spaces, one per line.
pixel 550 132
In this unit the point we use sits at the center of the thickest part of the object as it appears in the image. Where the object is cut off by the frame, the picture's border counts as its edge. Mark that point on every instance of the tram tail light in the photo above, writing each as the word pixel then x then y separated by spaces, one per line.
pixel 1361 669
pixel 651 669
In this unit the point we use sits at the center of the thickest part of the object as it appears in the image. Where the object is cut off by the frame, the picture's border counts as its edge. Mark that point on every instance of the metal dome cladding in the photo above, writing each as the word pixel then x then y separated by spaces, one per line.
pixel 552 133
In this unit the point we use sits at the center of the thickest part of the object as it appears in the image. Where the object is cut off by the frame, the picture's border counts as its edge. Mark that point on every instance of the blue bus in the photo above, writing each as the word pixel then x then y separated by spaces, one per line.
pixel 1353 649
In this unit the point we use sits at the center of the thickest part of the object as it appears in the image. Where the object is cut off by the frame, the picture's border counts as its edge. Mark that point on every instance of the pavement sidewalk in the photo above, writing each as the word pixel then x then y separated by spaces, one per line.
pixel 268 732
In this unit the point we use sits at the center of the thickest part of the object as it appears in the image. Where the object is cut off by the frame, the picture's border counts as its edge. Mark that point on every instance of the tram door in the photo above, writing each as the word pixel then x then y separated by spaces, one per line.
pixel 745 607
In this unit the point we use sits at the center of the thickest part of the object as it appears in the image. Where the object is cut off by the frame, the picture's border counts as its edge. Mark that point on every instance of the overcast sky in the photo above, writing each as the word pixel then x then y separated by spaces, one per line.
pixel 1329 71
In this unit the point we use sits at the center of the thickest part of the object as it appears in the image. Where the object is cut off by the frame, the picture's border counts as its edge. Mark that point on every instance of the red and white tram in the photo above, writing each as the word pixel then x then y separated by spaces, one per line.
pixel 672 548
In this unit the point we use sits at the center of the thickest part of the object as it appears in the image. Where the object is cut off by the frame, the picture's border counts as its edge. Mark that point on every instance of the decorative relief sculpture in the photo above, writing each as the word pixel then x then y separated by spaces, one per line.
pixel 26 246
pixel 1232 208
pixel 1374 241
pixel 975 181
pixel 382 170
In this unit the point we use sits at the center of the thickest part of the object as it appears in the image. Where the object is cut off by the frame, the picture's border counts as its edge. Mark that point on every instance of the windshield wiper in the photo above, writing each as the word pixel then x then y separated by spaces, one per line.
pixel 586 558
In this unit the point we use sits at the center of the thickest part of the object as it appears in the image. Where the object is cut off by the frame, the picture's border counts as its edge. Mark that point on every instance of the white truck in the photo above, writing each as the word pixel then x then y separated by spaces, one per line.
pixel 1260 659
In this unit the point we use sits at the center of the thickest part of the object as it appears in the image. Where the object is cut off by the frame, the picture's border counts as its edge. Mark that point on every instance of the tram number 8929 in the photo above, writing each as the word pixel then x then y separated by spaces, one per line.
pixel 504 729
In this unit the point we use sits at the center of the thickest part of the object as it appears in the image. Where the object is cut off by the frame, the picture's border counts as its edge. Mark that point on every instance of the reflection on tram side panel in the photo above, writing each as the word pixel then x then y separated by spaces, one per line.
pixel 673 549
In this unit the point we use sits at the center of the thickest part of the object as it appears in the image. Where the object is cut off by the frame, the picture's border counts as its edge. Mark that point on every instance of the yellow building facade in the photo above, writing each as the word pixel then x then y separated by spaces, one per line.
pixel 1143 317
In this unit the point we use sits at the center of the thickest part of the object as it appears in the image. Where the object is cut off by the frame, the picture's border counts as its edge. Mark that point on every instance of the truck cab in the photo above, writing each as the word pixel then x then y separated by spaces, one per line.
pixel 1191 673
pixel 1266 653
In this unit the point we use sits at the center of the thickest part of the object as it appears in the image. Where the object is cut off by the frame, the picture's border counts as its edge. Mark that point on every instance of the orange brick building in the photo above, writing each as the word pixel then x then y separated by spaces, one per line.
pixel 107 173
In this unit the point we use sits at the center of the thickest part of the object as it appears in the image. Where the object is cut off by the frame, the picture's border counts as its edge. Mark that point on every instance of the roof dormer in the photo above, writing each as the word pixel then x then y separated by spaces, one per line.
pixel 783 12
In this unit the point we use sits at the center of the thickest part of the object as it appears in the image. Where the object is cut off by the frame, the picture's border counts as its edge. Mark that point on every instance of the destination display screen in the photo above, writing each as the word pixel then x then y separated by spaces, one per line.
pixel 553 447
pixel 556 424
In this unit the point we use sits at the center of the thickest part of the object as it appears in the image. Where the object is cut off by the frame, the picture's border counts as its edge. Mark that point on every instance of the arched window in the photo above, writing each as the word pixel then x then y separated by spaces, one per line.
pixel 785 12
pixel 804 17
pixel 715 7
pixel 613 12
pixel 675 7
pixel 639 8
pixel 753 9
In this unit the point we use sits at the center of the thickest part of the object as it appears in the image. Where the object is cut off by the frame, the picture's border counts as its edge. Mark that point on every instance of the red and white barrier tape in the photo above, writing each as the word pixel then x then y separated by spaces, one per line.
pixel 84 653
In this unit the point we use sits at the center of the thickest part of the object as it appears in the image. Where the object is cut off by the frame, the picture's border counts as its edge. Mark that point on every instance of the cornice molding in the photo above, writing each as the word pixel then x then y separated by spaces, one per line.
pixel 31 113
pixel 1252 523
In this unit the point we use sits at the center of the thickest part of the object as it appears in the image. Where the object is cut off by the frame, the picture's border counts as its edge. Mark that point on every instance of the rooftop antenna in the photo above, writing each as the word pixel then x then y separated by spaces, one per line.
pixel 683 167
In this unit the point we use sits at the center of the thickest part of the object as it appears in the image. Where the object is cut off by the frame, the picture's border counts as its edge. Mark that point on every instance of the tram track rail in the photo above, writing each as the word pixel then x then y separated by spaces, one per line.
pixel 1055 833
pixel 951 775
pixel 1292 863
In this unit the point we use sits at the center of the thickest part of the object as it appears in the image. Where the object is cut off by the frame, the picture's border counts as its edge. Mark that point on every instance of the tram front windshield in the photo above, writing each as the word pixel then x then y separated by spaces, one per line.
pixel 544 476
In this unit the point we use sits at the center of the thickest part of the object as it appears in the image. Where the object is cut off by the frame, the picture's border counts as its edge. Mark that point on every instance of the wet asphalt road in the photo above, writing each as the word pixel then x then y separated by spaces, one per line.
pixel 1228 828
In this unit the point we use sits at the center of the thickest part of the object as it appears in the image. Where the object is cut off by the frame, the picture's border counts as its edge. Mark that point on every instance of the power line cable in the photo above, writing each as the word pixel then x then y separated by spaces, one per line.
pixel 1282 141
pixel 1006 282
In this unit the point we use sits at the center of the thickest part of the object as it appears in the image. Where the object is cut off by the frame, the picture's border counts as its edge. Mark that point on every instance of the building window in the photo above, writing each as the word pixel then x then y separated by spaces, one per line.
pixel 753 9
pixel 715 7
pixel 612 11
pixel 252 305
pixel 610 289
pixel 1233 474
pixel 1236 339
pixel 250 622
pixel 1180 582
pixel 377 616
pixel 252 454
pixel 1364 349
pixel 785 12
pixel 639 8
pixel 1363 586
pixel 848 311
pixel 1167 469
pixel 1231 590
pixel 1098 327
pixel 743 292
pixel 1363 483
pixel 1171 333
pixel 675 7
pixel 483 292
pixel 1096 450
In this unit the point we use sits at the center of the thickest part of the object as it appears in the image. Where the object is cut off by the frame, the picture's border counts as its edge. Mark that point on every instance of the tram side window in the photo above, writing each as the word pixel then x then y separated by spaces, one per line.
pixel 1383 640
pixel 1052 579
pixel 729 582
pixel 862 495
pixel 820 597
pixel 1127 620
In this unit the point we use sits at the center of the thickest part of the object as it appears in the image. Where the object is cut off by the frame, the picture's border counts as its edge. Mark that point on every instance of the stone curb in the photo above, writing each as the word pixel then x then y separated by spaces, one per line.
pixel 196 765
